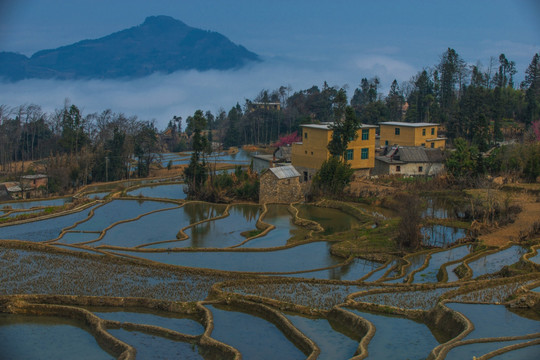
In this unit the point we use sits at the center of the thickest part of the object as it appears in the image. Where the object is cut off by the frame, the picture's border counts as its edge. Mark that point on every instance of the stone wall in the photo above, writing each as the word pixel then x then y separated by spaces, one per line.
pixel 284 191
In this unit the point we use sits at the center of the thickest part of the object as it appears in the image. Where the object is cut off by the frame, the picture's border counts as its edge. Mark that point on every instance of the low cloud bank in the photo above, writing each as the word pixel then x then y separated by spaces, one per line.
pixel 161 96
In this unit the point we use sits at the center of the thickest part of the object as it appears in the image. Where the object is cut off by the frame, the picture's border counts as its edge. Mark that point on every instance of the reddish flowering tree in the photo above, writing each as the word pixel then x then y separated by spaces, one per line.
pixel 288 139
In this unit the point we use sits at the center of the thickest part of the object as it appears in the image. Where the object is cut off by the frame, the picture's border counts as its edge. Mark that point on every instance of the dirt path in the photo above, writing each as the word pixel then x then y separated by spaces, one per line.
pixel 526 218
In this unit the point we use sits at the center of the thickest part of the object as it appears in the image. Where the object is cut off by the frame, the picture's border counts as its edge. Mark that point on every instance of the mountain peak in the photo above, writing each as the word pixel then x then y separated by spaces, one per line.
pixel 160 44
pixel 162 20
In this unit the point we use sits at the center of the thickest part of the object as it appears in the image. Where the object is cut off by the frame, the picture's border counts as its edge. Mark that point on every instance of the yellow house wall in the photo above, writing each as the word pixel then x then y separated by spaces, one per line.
pixel 409 136
pixel 313 150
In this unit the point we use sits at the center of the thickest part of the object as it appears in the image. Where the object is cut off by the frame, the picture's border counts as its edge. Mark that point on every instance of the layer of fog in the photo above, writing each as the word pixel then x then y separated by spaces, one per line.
pixel 161 96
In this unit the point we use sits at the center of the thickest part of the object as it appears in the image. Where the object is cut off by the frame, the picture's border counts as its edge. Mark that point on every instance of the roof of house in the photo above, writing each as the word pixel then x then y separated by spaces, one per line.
pixel 32 177
pixel 412 154
pixel 285 172
pixel 400 123
pixel 326 126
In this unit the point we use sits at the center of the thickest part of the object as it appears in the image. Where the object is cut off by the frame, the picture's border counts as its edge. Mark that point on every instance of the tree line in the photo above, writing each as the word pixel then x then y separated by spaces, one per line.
pixel 73 148
pixel 482 104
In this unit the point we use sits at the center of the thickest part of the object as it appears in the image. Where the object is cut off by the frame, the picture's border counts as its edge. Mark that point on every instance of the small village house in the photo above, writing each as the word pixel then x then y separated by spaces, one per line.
pixel 307 156
pixel 410 161
pixel 411 134
pixel 280 185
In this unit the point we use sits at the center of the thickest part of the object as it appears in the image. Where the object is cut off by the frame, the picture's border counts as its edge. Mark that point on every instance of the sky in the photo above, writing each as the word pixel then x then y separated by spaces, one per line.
pixel 302 43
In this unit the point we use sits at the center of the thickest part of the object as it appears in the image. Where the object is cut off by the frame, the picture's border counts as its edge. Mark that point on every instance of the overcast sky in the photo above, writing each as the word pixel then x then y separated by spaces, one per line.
pixel 302 43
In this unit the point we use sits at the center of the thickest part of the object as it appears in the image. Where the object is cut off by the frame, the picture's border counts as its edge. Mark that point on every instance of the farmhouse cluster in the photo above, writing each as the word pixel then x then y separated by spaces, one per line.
pixel 408 149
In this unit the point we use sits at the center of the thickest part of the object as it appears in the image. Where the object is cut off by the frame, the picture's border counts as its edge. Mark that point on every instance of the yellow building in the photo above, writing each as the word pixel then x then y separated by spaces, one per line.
pixel 308 155
pixel 411 134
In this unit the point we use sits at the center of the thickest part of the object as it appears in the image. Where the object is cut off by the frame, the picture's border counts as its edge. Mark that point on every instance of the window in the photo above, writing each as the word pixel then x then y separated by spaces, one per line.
pixel 423 144
pixel 420 169
pixel 396 131
pixel 386 142
pixel 398 168
pixel 423 132
pixel 432 145
pixel 305 175
pixel 312 153
pixel 305 135
pixel 432 131
pixel 365 153
pixel 305 151
pixel 365 134
pixel 350 154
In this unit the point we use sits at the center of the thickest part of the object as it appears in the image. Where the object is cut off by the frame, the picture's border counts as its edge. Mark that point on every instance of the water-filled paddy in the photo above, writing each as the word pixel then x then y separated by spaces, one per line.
pixel 77 237
pixel 17 205
pixel 395 335
pixel 416 260
pixel 42 230
pixel 167 320
pixel 441 236
pixel 169 191
pixel 97 195
pixel 332 220
pixel 527 353
pixel 299 258
pixel 45 337
pixel 355 270
pixel 254 337
pixel 494 262
pixel 159 226
pixel 429 274
pixel 536 258
pixel 13 214
pixel 156 347
pixel 332 343
pixel 479 349
pixel 281 218
pixel 118 210
pixel 495 321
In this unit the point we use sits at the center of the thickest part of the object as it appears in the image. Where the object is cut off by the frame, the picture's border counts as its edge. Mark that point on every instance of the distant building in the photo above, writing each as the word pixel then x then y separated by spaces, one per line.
pixel 34 181
pixel 308 155
pixel 280 185
pixel 265 106
pixel 410 161
pixel 411 134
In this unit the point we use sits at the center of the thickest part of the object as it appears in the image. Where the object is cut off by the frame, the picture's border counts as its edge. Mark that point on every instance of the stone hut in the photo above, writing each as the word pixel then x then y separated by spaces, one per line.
pixel 280 185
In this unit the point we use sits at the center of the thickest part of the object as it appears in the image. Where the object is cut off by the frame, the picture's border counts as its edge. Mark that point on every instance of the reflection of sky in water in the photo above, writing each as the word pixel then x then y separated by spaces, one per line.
pixel 42 230
pixel 35 203
pixel 143 316
pixel 281 218
pixel 45 337
pixel 156 347
pixel 416 261
pixel 395 335
pixel 429 274
pixel 494 262
pixel 333 344
pixel 439 235
pixel 169 191
pixel 494 321
pixel 299 258
pixel 253 336
pixel 118 210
